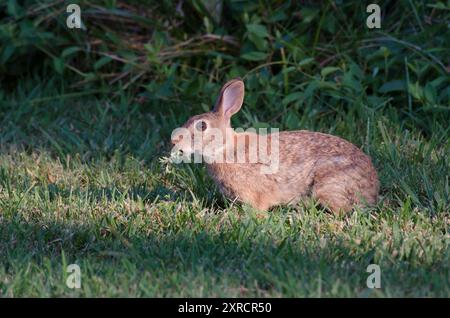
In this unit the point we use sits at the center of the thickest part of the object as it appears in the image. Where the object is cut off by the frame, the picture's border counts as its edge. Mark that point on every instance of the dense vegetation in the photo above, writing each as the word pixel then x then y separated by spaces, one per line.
pixel 86 115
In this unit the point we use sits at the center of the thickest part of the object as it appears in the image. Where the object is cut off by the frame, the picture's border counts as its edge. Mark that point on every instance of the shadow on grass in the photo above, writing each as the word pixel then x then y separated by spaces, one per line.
pixel 197 262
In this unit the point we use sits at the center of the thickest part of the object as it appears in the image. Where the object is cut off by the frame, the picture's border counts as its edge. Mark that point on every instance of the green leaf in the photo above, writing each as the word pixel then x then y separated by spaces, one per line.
pixel 8 51
pixel 393 86
pixel 13 8
pixel 350 81
pixel 277 16
pixel 292 120
pixel 70 50
pixel 89 76
pixel 415 90
pixel 328 70
pixel 292 97
pixel 430 93
pixel 58 64
pixel 306 61
pixel 258 29
pixel 308 14
pixel 254 56
pixel 102 61
pixel 260 43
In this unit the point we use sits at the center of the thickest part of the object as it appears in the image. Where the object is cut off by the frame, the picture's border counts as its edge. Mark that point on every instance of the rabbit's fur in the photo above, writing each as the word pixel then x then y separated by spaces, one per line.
pixel 311 164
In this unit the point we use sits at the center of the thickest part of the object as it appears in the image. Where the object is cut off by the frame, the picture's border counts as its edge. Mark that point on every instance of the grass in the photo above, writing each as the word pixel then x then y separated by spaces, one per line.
pixel 84 133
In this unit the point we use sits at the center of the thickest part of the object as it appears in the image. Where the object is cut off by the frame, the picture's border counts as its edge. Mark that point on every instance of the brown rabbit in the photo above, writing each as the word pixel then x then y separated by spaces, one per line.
pixel 310 164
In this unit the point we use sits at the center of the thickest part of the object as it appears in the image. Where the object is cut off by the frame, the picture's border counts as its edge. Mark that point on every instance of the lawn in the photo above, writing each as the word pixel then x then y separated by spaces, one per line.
pixel 85 123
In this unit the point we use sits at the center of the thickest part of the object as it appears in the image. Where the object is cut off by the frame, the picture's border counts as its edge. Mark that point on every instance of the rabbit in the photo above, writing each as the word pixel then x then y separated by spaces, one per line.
pixel 329 169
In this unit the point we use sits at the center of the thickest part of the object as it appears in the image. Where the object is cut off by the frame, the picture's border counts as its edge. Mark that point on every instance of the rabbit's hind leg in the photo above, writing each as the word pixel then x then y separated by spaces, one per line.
pixel 333 194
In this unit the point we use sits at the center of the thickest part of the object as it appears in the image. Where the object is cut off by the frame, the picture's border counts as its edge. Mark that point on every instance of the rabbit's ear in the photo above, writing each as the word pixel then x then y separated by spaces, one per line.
pixel 230 98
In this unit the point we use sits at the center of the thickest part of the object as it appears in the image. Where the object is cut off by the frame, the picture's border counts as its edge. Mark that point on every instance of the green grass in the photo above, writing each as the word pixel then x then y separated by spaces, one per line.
pixel 84 176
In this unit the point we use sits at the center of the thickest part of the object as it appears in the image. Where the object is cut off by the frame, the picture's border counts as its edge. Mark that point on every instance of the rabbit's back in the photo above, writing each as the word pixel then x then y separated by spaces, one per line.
pixel 325 167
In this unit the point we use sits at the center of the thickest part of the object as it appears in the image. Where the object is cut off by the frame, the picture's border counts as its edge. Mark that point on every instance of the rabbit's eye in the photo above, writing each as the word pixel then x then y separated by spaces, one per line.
pixel 201 125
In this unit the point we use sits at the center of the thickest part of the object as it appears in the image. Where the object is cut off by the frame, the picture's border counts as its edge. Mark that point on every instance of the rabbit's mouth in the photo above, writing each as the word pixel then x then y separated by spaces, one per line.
pixel 200 154
pixel 178 153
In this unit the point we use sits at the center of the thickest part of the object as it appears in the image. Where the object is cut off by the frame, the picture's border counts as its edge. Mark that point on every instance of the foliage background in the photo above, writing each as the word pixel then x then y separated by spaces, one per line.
pixel 86 115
